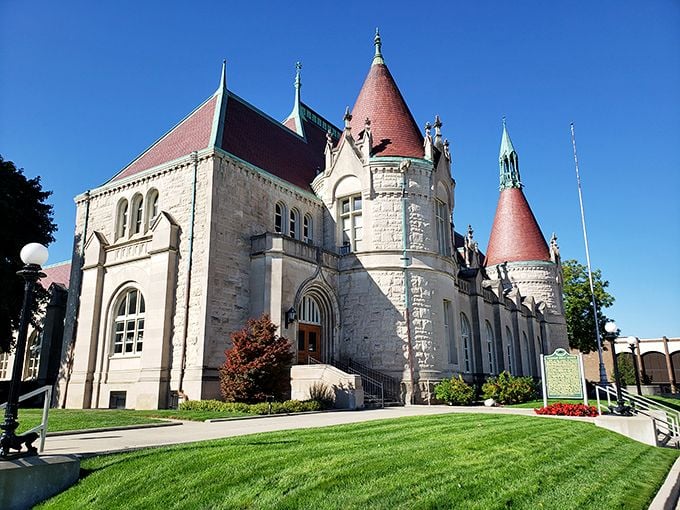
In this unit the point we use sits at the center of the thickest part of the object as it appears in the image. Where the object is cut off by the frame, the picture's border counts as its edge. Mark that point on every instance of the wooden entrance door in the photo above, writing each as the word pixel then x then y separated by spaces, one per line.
pixel 309 343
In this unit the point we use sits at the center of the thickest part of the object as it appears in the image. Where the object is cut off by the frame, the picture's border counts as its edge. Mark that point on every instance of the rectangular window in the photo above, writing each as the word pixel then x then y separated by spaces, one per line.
pixel 449 334
pixel 4 364
pixel 351 221
pixel 117 400
pixel 442 228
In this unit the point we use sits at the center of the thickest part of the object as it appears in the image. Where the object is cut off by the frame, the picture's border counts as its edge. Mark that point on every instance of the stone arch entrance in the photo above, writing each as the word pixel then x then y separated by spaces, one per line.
pixel 317 323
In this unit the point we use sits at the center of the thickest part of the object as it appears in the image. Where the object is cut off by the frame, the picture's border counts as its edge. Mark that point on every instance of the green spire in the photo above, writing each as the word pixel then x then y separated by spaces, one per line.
pixel 508 162
pixel 377 58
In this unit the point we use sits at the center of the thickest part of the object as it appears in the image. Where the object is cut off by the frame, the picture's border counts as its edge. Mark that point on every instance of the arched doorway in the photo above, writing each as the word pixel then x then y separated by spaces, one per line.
pixel 309 343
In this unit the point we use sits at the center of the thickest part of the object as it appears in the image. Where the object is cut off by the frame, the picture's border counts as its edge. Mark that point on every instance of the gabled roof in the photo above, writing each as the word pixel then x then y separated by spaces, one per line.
pixel 262 141
pixel 515 235
pixel 394 131
pixel 56 273
pixel 228 122
pixel 191 134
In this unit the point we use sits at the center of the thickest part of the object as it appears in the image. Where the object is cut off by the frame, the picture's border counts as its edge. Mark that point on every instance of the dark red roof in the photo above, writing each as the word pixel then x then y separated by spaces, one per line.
pixel 56 273
pixel 515 235
pixel 395 132
pixel 266 143
pixel 192 134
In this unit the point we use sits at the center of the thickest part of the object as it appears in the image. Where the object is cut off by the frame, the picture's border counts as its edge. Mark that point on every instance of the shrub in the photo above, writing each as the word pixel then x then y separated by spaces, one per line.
pixel 289 406
pixel 257 364
pixel 322 394
pixel 560 409
pixel 455 391
pixel 508 389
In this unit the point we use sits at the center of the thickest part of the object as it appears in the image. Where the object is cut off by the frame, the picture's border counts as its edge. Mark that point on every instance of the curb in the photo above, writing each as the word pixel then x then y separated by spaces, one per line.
pixel 669 493
pixel 257 416
pixel 112 429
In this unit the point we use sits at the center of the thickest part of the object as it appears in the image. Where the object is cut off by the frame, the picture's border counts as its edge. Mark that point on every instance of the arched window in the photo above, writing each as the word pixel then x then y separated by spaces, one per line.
pixel 526 351
pixel 137 214
pixel 465 335
pixel 307 229
pixel 128 329
pixel 294 224
pixel 508 337
pixel 33 355
pixel 490 348
pixel 152 207
pixel 121 219
pixel 279 218
pixel 309 313
pixel 448 332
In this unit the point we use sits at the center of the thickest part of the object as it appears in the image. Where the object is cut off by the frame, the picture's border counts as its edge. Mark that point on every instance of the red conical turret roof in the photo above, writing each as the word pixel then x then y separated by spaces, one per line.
pixel 394 131
pixel 515 235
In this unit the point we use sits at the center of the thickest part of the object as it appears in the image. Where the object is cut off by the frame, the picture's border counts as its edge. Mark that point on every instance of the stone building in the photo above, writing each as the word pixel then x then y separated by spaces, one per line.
pixel 344 236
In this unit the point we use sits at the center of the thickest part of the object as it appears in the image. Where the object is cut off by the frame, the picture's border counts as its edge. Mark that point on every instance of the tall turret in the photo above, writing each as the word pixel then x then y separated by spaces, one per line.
pixel 518 254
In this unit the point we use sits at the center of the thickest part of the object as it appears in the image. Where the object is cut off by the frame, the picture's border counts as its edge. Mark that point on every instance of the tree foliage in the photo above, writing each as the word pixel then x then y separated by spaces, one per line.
pixel 257 364
pixel 26 218
pixel 578 305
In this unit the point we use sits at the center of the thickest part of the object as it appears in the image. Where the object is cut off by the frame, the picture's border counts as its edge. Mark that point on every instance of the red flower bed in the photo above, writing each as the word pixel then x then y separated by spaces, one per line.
pixel 560 409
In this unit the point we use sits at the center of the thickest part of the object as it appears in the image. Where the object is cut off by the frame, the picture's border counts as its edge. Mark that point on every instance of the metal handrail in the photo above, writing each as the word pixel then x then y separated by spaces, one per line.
pixel 46 406
pixel 643 405
pixel 366 382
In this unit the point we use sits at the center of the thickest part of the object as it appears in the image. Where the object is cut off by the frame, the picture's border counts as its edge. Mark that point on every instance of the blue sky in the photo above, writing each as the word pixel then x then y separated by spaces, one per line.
pixel 86 86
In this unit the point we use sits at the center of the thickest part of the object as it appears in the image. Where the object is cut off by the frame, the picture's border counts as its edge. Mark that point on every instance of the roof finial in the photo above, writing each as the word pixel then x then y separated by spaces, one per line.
pixel 377 58
pixel 298 68
pixel 347 118
pixel 503 121
pixel 509 162
pixel 223 77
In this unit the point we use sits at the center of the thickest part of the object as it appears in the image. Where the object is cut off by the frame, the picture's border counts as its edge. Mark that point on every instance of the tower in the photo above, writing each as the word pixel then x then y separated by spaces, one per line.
pixel 518 254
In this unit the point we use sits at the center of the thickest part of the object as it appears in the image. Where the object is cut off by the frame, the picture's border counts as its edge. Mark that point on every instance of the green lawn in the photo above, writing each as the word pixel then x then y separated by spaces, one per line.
pixel 672 402
pixel 82 419
pixel 468 461
pixel 532 404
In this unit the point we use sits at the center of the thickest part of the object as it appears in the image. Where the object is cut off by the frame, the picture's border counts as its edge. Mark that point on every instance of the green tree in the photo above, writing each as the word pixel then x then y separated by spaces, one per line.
pixel 26 218
pixel 578 305
pixel 257 364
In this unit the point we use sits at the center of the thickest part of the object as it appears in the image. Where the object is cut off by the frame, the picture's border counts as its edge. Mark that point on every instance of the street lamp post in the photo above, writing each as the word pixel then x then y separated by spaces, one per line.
pixel 631 345
pixel 612 334
pixel 33 255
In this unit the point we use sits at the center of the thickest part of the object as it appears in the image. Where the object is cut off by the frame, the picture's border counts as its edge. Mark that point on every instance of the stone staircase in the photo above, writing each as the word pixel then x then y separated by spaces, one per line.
pixel 380 390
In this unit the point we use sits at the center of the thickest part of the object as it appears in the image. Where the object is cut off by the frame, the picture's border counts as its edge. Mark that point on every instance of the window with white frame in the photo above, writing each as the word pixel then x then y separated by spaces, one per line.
pixel 442 220
pixel 465 335
pixel 122 219
pixel 279 218
pixel 294 224
pixel 33 355
pixel 128 328
pixel 352 222
pixel 508 336
pixel 4 365
pixel 152 198
pixel 449 333
pixel 490 348
pixel 307 228
pixel 137 214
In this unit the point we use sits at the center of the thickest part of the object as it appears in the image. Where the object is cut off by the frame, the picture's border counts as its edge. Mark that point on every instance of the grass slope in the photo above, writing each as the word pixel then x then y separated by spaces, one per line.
pixel 469 461
pixel 83 419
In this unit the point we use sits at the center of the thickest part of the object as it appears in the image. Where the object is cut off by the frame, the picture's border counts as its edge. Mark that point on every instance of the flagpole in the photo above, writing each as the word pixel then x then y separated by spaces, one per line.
pixel 603 372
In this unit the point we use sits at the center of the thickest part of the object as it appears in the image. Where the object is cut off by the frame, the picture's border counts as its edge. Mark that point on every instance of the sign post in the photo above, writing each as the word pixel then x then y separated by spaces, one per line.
pixel 563 376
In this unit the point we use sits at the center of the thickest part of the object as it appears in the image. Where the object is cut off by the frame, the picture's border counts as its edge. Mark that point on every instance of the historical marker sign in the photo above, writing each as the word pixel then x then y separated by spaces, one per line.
pixel 563 376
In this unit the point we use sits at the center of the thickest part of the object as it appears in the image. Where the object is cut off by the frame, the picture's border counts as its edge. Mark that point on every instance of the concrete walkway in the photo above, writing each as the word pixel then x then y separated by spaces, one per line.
pixel 191 431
